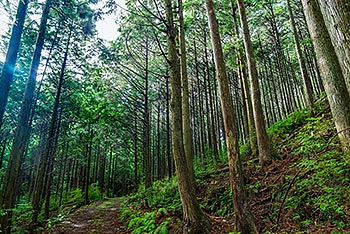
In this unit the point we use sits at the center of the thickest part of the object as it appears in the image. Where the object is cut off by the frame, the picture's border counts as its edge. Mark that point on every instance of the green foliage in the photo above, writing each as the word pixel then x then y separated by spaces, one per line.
pixel 22 214
pixel 145 223
pixel 161 198
pixel 219 201
pixel 161 194
pixel 55 220
pixel 163 227
pixel 162 211
pixel 94 192
pixel 329 176
pixel 284 127
pixel 210 163
pixel 75 196
pixel 322 189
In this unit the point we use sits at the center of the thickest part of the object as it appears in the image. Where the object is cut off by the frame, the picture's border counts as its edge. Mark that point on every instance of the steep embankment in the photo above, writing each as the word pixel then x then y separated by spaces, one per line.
pixel 305 189
pixel 308 187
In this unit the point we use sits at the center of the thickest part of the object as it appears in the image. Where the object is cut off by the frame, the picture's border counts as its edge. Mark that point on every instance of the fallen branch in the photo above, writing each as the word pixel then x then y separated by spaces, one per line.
pixel 285 197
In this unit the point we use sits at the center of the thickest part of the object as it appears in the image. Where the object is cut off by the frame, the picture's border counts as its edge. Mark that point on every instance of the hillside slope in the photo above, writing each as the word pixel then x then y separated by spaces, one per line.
pixel 306 188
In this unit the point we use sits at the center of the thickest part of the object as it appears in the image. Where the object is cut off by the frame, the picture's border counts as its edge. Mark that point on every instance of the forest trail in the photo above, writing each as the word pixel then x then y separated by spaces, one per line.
pixel 99 217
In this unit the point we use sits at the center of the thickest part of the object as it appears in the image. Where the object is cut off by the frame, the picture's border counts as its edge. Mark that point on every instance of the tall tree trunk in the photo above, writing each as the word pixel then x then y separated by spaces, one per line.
pixel 200 103
pixel 332 75
pixel 245 84
pixel 264 147
pixel 7 199
pixel 114 174
pixel 147 128
pixel 336 16
pixel 186 118
pixel 63 174
pixel 2 152
pixel 193 215
pixel 135 155
pixel 103 170
pixel 49 151
pixel 244 222
pixel 212 122
pixel 303 70
pixel 158 156
pixel 109 174
pixel 11 56
pixel 88 154
pixel 206 92
pixel 50 167
pixel 168 143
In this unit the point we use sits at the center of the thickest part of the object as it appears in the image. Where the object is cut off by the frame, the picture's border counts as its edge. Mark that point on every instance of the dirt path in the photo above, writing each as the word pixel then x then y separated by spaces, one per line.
pixel 100 217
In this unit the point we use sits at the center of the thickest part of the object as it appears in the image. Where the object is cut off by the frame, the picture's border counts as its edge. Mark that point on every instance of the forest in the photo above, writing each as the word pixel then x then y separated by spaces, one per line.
pixel 201 116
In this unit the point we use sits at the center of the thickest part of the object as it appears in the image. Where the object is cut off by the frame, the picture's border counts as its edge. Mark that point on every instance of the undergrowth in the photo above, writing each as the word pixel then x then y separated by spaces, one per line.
pixel 322 192
pixel 315 185
pixel 147 211
pixel 71 201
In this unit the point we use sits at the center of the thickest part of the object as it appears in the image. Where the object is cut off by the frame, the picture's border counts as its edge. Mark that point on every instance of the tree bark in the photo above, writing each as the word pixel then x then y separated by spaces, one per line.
pixel 245 85
pixel 11 56
pixel 200 106
pixel 22 130
pixel 244 222
pixel 88 154
pixel 331 71
pixel 264 147
pixel 48 154
pixel 336 14
pixel 168 143
pixel 303 70
pixel 147 137
pixel 135 156
pixel 194 218
pixel 186 117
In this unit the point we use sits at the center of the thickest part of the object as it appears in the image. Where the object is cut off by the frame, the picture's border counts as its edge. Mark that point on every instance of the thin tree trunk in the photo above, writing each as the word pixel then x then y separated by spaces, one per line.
pixel 48 154
pixel 200 103
pixel 303 70
pixel 110 175
pixel 2 154
pixel 147 128
pixel 264 147
pixel 244 222
pixel 64 172
pixel 50 167
pixel 102 171
pixel 245 85
pixel 186 117
pixel 157 142
pixel 168 144
pixel 87 178
pixel 135 156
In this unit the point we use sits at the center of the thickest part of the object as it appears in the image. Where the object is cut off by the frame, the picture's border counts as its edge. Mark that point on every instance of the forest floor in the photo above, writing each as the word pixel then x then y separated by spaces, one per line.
pixel 99 217
pixel 306 189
